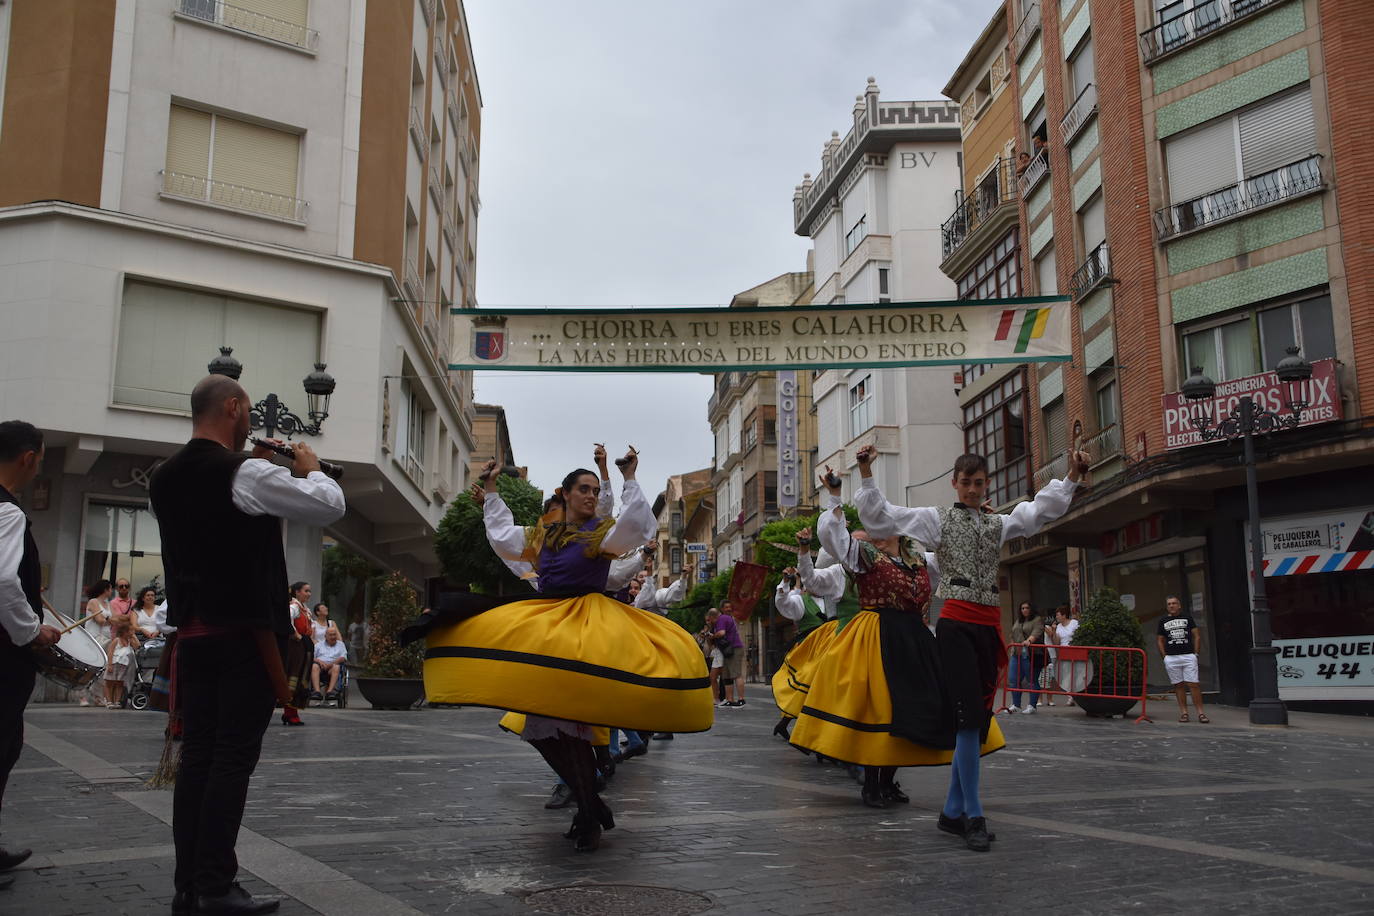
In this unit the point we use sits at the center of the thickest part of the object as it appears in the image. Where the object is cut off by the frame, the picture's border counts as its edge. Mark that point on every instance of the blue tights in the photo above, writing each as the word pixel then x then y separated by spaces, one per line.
pixel 963 779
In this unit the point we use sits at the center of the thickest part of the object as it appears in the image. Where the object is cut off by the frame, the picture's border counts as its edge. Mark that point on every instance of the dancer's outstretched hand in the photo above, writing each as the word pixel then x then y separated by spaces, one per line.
pixel 830 481
pixel 629 464
pixel 479 494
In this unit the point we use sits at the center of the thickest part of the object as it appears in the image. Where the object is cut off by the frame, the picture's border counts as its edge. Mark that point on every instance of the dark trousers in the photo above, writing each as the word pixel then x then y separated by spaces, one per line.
pixel 16 685
pixel 226 703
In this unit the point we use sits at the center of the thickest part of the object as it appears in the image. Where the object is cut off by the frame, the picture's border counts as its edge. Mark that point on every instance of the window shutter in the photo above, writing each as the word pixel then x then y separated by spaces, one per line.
pixel 401 423
pixel 1046 279
pixel 1202 161
pixel 1083 66
pixel 258 158
pixel 1094 223
pixel 1056 431
pixel 188 142
pixel 1277 133
pixel 282 20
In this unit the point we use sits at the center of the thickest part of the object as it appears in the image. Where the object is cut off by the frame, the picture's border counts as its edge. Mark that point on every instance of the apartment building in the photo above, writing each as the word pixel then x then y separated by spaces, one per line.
pixel 681 509
pixel 873 211
pixel 491 440
pixel 1197 184
pixel 293 180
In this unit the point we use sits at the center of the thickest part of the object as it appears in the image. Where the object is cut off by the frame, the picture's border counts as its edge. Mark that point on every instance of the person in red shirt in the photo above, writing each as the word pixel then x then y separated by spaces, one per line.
pixel 121 602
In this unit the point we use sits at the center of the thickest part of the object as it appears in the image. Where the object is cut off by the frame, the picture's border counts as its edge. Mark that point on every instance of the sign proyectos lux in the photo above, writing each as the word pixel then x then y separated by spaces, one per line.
pixel 1034 329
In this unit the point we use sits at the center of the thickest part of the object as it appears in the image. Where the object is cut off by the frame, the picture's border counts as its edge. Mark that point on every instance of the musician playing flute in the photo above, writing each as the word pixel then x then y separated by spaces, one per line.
pixel 21 603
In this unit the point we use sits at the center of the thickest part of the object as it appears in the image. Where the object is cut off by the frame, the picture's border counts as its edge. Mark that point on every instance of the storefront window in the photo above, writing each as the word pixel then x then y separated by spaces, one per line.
pixel 1144 586
pixel 121 539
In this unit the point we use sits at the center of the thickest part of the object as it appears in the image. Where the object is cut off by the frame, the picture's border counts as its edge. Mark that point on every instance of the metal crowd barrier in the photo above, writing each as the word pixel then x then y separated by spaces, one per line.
pixel 1076 671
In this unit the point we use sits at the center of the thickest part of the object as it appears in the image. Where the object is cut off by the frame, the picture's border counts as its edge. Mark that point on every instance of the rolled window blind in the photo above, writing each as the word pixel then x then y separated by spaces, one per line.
pixel 1094 223
pixel 282 20
pixel 259 159
pixel 188 142
pixel 1278 132
pixel 1202 161
pixel 1056 431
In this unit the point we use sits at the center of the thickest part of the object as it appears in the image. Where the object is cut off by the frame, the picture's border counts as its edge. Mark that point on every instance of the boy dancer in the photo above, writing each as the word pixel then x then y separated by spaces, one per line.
pixel 968 542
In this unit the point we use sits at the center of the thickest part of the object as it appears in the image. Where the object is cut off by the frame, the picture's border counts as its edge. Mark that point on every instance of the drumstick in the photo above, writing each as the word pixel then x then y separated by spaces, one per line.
pixel 78 623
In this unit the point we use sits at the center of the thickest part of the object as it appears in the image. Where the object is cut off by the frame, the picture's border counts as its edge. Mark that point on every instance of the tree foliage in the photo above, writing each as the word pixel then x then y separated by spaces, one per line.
pixel 1106 621
pixel 396 606
pixel 345 577
pixel 461 541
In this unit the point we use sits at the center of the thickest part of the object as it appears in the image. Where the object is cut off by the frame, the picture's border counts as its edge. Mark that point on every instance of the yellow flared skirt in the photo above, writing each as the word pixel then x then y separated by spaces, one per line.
pixel 588 659
pixel 514 722
pixel 848 709
pixel 792 681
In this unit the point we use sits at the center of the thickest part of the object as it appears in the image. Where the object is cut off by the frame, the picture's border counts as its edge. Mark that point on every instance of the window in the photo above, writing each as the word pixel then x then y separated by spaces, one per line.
pixel 722 449
pixel 1247 344
pixel 167 335
pixel 1186 19
pixel 1046 279
pixel 674 560
pixel 1092 223
pixel 411 421
pixel 995 427
pixel 882 281
pixel 231 163
pixel 1055 419
pixel 856 235
pixel 1081 66
pixel 675 524
pixel 861 407
pixel 997 275
pixel 1107 413
pixel 770 432
pixel 750 435
pixel 121 540
pixel 1259 155
pixel 751 497
pixel 770 492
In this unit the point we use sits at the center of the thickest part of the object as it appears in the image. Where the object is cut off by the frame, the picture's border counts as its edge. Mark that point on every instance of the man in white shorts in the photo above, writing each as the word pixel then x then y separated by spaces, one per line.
pixel 1179 643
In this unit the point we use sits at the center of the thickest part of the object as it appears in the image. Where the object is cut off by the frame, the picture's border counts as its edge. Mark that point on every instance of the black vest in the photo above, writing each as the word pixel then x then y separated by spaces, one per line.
pixel 224 567
pixel 30 570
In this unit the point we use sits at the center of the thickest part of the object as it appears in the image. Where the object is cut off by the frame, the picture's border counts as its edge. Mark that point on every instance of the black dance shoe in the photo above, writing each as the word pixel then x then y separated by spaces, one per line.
pixel 893 793
pixel 604 815
pixel 954 825
pixel 976 836
pixel 585 833
pixel 873 799
pixel 781 730
pixel 639 750
pixel 183 902
pixel 9 859
pixel 663 736
pixel 237 901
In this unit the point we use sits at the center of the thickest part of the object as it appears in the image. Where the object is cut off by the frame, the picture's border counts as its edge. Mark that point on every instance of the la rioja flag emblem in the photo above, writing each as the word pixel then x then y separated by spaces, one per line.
pixel 489 339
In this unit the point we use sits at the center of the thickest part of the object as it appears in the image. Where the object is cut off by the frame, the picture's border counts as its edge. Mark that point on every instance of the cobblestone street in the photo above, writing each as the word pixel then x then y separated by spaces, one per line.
pixel 438 811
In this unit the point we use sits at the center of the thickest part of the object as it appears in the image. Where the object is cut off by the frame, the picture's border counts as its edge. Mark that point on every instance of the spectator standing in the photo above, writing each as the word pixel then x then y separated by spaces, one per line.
pixel 299 652
pixel 1180 641
pixel 1028 635
pixel 357 634
pixel 1062 634
pixel 121 604
pixel 319 623
pixel 726 632
pixel 119 655
pixel 715 659
pixel 97 623
pixel 330 656
pixel 143 613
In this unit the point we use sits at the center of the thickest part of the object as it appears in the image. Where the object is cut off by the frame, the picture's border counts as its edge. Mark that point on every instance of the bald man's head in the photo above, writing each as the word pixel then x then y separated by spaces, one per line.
pixel 209 395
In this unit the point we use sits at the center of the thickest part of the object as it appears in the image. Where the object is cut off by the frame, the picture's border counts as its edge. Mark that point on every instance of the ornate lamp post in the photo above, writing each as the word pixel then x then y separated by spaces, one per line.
pixel 271 415
pixel 1247 420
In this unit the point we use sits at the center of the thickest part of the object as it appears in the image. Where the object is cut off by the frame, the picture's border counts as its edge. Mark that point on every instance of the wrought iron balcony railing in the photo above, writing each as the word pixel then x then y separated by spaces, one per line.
pixel 1039 167
pixel 996 188
pixel 1093 272
pixel 436 184
pixel 1026 30
pixel 1181 26
pixel 250 21
pixel 232 196
pixel 1255 193
pixel 1103 444
pixel 414 288
pixel 440 60
pixel 1084 107
pixel 417 131
pixel 1054 468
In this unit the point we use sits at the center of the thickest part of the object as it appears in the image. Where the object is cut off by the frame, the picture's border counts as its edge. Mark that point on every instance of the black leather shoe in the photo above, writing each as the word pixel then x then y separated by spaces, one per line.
pixel 976 836
pixel 894 793
pixel 873 799
pixel 664 736
pixel 9 859
pixel 586 834
pixel 639 750
pixel 954 825
pixel 183 902
pixel 237 901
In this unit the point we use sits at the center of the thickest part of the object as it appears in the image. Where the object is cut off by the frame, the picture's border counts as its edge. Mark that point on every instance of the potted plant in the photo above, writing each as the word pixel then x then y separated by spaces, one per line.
pixel 392 673
pixel 1117 678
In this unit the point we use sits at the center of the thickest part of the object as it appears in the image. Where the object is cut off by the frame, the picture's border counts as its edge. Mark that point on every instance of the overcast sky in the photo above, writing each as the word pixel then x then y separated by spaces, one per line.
pixel 644 152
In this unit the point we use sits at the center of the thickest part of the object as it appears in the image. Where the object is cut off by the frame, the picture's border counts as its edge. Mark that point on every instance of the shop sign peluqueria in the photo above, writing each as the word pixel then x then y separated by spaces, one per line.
pixel 1319 574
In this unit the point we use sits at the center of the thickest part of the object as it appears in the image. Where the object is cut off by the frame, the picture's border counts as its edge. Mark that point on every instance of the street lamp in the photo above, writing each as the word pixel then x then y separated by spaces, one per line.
pixel 271 415
pixel 1247 420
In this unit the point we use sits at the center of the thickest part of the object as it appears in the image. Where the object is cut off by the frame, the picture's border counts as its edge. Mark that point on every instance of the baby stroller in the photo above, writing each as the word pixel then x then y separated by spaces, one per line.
pixel 146 658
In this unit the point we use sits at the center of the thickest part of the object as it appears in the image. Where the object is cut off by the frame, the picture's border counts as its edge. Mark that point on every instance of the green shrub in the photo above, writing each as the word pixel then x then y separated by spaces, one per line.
pixel 396 606
pixel 461 541
pixel 1106 621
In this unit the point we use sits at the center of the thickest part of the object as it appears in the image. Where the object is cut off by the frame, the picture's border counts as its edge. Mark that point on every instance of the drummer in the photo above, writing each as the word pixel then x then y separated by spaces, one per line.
pixel 21 603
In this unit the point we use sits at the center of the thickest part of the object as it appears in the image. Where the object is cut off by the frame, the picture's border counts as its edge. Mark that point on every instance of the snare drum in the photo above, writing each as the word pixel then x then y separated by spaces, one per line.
pixel 75 660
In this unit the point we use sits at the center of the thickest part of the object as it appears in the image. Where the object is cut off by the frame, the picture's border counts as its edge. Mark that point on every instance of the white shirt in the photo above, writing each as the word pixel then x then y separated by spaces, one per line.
pixel 145 621
pixel 15 614
pixel 317 630
pixel 881 519
pixel 1064 632
pixel 160 617
pixel 324 652
pixel 263 488
pixel 623 569
pixel 789 602
pixel 825 579
pixel 633 528
pixel 659 600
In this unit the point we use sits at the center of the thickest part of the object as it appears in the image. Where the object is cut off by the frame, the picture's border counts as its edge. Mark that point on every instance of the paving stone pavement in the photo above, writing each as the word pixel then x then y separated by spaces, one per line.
pixel 438 811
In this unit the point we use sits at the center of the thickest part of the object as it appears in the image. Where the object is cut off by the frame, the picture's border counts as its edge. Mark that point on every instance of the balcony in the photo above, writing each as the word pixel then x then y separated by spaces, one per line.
pixel 415 290
pixel 454 117
pixel 196 189
pixel 1193 25
pixel 1094 272
pixel 440 61
pixel 1055 468
pixel 436 185
pixel 1039 167
pixel 427 10
pixel 1104 444
pixel 250 22
pixel 417 131
pixel 994 191
pixel 1028 29
pixel 1297 179
pixel 430 324
pixel 1084 107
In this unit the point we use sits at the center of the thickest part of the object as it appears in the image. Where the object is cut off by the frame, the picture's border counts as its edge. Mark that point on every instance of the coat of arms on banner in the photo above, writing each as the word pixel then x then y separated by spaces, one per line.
pixel 746 587
pixel 489 339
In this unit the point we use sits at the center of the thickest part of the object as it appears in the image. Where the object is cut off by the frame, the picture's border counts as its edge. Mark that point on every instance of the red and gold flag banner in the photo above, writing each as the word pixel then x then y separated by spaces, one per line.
pixel 746 587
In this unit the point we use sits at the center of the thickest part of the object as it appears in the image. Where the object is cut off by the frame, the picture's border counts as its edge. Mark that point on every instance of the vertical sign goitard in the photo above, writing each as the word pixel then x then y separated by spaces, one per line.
pixel 789 461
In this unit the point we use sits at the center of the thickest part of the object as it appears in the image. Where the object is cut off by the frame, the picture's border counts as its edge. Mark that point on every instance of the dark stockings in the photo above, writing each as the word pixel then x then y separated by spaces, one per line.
pixel 573 760
pixel 878 779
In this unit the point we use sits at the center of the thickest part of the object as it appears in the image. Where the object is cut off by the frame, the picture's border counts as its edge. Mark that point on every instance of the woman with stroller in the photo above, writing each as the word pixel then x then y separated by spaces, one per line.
pixel 144 612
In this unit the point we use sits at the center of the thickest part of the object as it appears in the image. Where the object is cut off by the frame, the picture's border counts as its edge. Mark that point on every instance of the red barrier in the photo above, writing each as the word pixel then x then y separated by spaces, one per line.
pixel 1075 671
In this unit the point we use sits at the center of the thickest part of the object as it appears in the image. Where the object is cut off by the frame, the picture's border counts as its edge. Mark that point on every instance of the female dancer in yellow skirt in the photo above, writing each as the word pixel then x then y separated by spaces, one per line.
pixel 877 697
pixel 572 655
pixel 792 680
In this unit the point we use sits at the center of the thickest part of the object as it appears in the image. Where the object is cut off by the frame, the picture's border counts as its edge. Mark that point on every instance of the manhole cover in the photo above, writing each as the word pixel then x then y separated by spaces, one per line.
pixel 618 900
